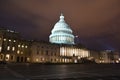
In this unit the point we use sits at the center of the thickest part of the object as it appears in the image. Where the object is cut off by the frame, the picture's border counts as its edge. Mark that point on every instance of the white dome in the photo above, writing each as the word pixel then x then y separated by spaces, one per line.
pixel 61 33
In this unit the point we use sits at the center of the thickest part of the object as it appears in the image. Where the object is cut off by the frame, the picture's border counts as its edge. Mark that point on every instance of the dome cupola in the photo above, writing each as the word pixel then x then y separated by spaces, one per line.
pixel 61 33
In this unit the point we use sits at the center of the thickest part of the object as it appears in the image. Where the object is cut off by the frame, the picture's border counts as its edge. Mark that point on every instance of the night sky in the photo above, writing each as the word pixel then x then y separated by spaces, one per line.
pixel 95 22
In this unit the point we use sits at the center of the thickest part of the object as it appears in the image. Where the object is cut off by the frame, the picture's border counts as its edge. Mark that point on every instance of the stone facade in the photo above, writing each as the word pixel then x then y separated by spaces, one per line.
pixel 43 52
pixel 12 48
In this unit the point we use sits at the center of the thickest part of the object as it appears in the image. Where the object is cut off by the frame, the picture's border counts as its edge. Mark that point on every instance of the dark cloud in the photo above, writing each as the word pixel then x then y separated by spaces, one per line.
pixel 97 22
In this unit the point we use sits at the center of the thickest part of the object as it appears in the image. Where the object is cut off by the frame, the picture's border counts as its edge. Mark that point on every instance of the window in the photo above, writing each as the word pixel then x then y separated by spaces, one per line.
pixel 43 59
pixel 51 59
pixel 26 46
pixel 9 40
pixel 37 51
pixel 22 46
pixel 73 55
pixel 41 52
pixel 0 48
pixel 7 57
pixel 21 52
pixel 55 54
pixel 47 52
pixel 4 39
pixel 18 45
pixel 8 48
pixel 12 58
pixel 55 60
pixel 28 59
pixel 1 56
pixel 18 52
pixel 13 48
pixel 37 60
pixel 14 41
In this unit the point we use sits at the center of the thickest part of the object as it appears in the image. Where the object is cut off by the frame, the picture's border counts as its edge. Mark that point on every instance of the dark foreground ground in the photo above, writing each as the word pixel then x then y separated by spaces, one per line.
pixel 60 72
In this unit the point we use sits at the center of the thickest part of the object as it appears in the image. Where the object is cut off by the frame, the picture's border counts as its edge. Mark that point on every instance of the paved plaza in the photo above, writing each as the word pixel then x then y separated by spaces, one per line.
pixel 60 72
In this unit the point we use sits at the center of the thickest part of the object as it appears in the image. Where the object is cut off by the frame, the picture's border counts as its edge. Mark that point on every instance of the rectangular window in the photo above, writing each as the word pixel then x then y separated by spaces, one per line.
pixel 47 52
pixel 0 48
pixel 37 49
pixel 8 48
pixel 11 57
pixel 13 48
pixel 41 52
pixel 36 60
pixel 26 46
pixel 1 56
pixel 18 52
pixel 7 57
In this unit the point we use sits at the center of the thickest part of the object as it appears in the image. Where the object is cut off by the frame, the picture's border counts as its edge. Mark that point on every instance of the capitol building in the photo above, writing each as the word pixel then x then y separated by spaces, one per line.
pixel 61 48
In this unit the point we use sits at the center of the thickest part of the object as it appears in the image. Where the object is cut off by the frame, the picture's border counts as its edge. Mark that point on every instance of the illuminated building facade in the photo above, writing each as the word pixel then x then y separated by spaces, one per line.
pixel 106 56
pixel 61 48
pixel 61 33
pixel 12 48
pixel 44 52
pixel 73 53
